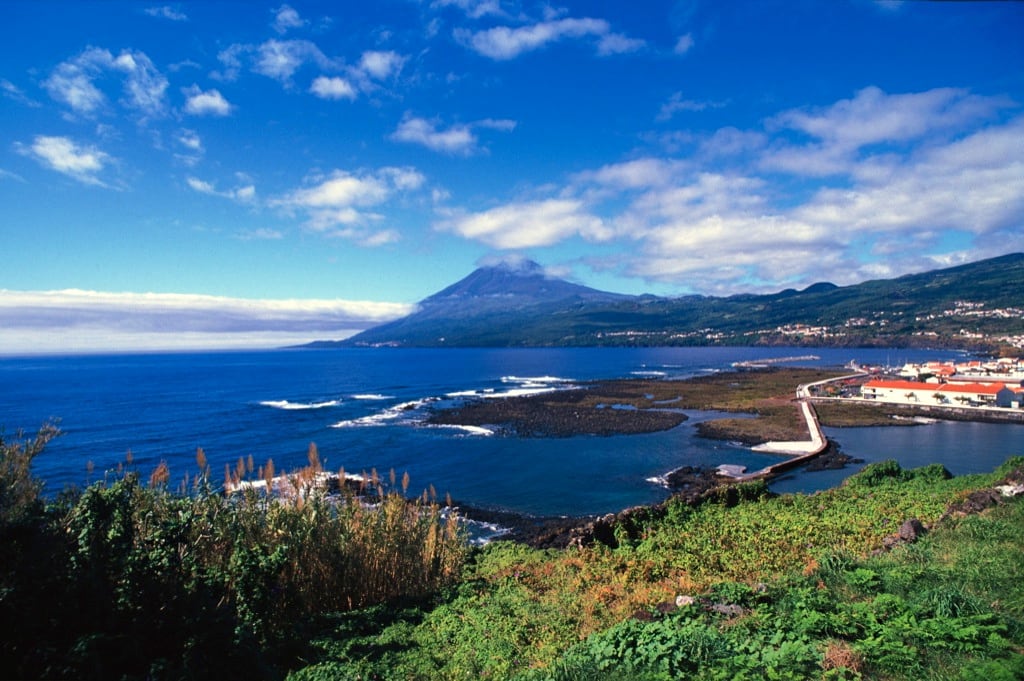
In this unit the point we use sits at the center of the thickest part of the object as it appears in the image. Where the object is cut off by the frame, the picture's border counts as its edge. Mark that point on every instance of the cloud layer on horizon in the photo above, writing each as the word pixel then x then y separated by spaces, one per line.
pixel 76 320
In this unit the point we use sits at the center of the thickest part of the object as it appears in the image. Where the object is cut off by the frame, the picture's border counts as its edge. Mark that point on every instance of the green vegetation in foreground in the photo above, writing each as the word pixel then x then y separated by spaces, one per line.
pixel 127 580
pixel 811 601
pixel 132 581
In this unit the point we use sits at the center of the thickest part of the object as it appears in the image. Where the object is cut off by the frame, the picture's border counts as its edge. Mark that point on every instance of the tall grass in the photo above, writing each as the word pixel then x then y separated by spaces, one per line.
pixel 181 573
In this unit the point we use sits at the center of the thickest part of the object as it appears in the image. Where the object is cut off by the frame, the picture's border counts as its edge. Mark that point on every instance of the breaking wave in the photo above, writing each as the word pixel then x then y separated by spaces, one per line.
pixel 407 411
pixel 471 430
pixel 521 386
pixel 295 406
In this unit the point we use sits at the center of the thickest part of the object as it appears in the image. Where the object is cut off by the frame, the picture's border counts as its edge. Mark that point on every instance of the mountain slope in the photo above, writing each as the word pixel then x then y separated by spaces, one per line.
pixel 486 307
pixel 518 305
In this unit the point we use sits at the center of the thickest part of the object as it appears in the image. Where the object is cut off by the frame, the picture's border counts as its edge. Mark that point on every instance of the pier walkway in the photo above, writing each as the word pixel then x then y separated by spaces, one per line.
pixel 801 451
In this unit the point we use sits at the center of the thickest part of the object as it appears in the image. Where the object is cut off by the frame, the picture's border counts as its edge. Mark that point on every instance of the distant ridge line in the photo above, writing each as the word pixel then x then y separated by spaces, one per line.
pixel 521 306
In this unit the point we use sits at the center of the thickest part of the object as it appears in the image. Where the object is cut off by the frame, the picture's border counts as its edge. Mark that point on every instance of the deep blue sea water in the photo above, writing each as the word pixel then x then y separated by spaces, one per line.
pixel 363 409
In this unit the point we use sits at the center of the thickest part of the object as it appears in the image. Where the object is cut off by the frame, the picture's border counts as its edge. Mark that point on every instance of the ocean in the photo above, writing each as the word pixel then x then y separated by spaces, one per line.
pixel 364 409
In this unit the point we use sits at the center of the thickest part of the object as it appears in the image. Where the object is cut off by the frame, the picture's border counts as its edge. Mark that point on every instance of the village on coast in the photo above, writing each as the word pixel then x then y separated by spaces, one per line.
pixel 976 384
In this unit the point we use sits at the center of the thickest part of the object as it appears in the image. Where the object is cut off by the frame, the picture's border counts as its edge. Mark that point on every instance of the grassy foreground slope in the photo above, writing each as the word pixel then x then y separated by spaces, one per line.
pixel 130 580
pixel 780 588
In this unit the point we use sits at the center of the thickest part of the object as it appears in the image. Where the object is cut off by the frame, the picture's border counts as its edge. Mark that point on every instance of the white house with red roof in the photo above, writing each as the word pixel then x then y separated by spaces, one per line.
pixel 951 394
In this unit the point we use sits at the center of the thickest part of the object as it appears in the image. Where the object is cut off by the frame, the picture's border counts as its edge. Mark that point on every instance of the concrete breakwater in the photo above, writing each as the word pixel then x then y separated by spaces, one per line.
pixel 768 361
pixel 802 451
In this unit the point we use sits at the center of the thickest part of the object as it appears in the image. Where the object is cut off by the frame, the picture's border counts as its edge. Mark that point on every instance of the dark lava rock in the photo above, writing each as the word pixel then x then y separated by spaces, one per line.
pixel 726 609
pixel 694 479
pixel 563 413
pixel 541 532
pixel 977 502
pixel 911 530
pixel 831 459
pixel 984 499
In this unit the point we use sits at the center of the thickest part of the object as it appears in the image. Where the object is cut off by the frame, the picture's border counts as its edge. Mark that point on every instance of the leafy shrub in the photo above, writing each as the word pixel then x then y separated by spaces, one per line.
pixel 880 473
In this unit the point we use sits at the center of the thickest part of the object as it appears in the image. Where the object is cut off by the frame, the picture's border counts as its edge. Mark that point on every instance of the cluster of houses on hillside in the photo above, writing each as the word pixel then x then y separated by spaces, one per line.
pixel 1005 369
pixel 998 384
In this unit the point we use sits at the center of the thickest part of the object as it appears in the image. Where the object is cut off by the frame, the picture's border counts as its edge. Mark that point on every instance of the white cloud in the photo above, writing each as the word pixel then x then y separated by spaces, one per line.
pixel 974 184
pixel 684 44
pixel 208 103
pixel 898 175
pixel 260 234
pixel 642 173
pixel 8 175
pixel 280 59
pixel 731 142
pixel 333 88
pixel 503 43
pixel 381 65
pixel 458 139
pixel 872 117
pixel 13 92
pixel 502 124
pixel 344 204
pixel 716 229
pixel 277 59
pixel 529 225
pixel 144 85
pixel 73 82
pixel 380 238
pixel 285 18
pixel 341 190
pixel 201 186
pixel 676 103
pixel 403 178
pixel 243 194
pixel 191 140
pixel 193 147
pixel 616 43
pixel 474 9
pixel 231 58
pixel 167 12
pixel 83 163
pixel 77 320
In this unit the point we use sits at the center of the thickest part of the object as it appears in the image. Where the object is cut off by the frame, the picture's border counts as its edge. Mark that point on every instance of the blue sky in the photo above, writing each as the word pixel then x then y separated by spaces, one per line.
pixel 243 174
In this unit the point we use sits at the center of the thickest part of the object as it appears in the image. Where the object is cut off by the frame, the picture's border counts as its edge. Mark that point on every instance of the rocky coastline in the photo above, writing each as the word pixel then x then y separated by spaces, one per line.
pixel 628 406
pixel 601 409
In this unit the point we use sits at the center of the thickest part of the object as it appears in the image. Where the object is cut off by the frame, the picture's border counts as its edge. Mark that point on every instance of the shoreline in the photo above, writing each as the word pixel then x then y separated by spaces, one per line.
pixel 693 484
pixel 778 399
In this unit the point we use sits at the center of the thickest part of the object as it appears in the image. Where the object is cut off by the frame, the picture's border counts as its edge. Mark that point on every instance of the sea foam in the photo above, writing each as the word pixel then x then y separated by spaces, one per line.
pixel 405 410
pixel 471 430
pixel 295 406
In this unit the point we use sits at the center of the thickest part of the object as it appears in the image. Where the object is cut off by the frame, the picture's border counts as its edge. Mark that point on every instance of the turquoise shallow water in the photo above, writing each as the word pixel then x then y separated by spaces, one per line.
pixel 363 408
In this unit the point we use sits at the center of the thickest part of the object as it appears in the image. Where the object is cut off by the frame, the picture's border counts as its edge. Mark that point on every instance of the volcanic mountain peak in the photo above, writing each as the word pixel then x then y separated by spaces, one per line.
pixel 516 279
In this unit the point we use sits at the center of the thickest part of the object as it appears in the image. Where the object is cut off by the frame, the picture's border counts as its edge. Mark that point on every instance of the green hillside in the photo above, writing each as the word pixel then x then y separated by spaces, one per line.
pixel 979 305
